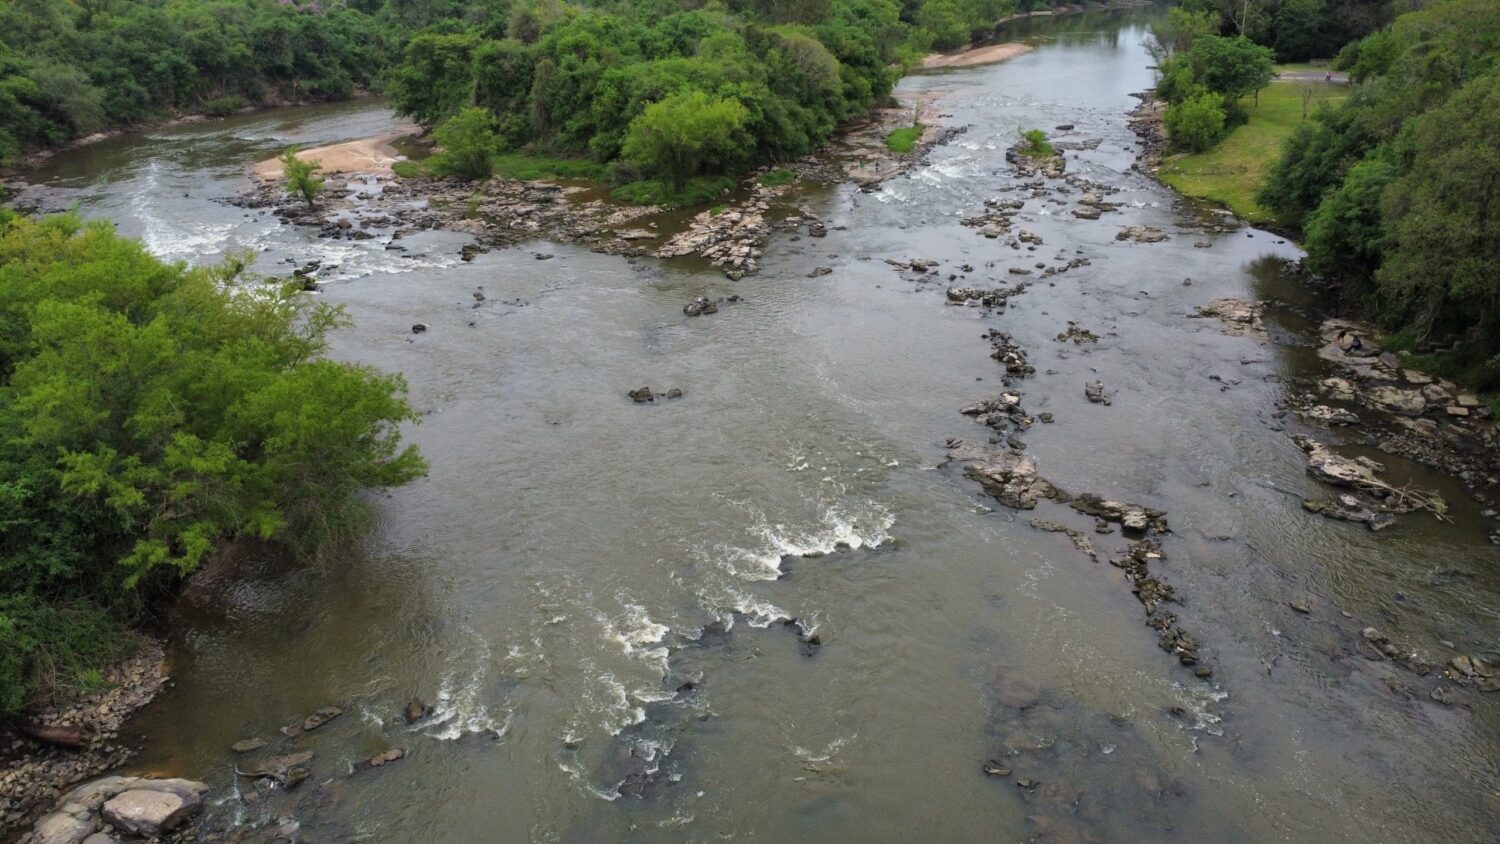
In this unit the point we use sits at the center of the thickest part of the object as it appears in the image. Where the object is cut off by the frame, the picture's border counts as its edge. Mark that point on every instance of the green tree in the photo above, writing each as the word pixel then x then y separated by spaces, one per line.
pixel 1345 234
pixel 149 414
pixel 300 180
pixel 1300 31
pixel 686 134
pixel 1176 32
pixel 1195 123
pixel 1443 217
pixel 1235 67
pixel 468 145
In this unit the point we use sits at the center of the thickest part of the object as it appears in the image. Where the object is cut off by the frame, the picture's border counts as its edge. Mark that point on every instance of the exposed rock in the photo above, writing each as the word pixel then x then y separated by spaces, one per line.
pixel 1094 392
pixel 63 828
pixel 1078 334
pixel 380 759
pixel 642 394
pixel 699 306
pixel 153 807
pixel 1008 476
pixel 415 711
pixel 1240 317
pixel 1141 234
pixel 1334 416
pixel 1396 400
pixel 247 745
pixel 321 717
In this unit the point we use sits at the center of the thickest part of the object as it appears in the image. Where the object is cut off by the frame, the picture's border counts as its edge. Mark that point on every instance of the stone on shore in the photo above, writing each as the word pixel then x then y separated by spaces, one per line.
pixel 153 807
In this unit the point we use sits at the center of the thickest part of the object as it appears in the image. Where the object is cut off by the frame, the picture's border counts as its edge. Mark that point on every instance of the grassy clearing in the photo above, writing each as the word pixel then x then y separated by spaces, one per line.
pixel 1234 170
pixel 904 140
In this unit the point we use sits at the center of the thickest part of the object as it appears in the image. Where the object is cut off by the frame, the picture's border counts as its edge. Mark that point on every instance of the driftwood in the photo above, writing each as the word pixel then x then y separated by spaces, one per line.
pixel 59 736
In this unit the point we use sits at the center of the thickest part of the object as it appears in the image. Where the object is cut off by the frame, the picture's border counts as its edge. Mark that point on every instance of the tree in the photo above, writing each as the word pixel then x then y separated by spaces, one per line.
pixel 1235 67
pixel 1345 234
pixel 150 413
pixel 1195 123
pixel 1178 30
pixel 1300 31
pixel 298 173
pixel 1442 217
pixel 686 134
pixel 468 145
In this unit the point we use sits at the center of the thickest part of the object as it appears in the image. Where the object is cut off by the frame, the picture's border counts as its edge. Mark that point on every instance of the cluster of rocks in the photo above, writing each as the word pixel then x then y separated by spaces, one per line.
pixel 1009 353
pixel 641 395
pixel 1367 499
pixel 1239 316
pixel 1142 234
pixel 1091 206
pixel 1402 411
pixel 1077 334
pixel 1094 392
pixel 47 750
pixel 1051 166
pixel 996 219
pixel 113 810
pixel 704 305
pixel 731 239
pixel 989 298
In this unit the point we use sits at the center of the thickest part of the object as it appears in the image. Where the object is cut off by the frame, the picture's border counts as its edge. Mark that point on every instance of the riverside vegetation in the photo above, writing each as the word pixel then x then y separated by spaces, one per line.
pixel 558 77
pixel 149 414
pixel 1391 183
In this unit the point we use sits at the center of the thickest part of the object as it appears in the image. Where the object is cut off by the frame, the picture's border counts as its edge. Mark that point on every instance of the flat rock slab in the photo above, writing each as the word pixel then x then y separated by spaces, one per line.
pixel 154 806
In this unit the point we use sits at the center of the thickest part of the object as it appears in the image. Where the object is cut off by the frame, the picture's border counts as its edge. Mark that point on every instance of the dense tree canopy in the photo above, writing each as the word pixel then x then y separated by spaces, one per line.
pixel 148 413
pixel 1399 188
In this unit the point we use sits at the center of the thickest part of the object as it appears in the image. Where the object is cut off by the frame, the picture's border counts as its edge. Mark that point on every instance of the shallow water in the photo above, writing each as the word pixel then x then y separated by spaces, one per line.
pixel 547 587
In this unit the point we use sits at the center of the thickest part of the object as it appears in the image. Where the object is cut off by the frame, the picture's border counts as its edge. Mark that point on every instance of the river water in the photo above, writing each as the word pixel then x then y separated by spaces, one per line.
pixel 573 559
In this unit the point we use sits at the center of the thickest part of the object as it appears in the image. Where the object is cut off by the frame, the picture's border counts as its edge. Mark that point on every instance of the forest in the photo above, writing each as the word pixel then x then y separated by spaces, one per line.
pixel 1397 189
pixel 69 68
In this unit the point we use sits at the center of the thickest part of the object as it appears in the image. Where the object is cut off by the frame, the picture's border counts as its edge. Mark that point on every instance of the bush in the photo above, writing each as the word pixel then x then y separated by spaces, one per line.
pixel 298 173
pixel 150 413
pixel 688 134
pixel 1034 144
pixel 776 178
pixel 223 106
pixel 695 191
pixel 468 144
pixel 904 140
pixel 1195 124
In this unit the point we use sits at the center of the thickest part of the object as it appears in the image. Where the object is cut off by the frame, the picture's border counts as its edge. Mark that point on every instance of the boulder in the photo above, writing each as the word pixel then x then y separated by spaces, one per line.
pixel 62 828
pixel 154 806
pixel 641 395
pixel 1397 400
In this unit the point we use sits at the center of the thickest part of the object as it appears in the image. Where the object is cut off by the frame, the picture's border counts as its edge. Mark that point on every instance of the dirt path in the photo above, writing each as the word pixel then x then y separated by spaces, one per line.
pixel 1331 77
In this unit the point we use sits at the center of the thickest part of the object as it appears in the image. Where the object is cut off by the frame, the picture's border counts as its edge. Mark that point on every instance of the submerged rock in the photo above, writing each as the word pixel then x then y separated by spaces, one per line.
pixel 1239 316
pixel 1141 234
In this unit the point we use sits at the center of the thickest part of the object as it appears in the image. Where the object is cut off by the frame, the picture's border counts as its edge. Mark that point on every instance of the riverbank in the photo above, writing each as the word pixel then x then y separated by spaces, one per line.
pixel 974 56
pixel 1403 411
pixel 1232 171
pixel 46 751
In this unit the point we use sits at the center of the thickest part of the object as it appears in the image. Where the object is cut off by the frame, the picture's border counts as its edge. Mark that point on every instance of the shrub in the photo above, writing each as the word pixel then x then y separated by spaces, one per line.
pixel 298 173
pixel 223 106
pixel 688 134
pixel 776 178
pixel 469 143
pixel 1196 123
pixel 149 413
pixel 1034 144
pixel 694 191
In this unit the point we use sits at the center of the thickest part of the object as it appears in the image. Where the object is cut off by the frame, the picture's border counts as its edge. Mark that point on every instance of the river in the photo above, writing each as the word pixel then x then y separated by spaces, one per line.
pixel 574 559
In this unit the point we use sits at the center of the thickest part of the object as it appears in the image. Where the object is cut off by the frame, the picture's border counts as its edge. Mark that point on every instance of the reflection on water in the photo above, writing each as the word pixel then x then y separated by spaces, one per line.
pixel 764 610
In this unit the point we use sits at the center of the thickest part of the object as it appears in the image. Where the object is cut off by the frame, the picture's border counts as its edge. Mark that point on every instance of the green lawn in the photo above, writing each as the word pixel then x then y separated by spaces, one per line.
pixel 904 140
pixel 1232 171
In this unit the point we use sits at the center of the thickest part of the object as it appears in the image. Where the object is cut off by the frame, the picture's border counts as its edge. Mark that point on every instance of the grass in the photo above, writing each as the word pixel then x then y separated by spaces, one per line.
pixel 529 167
pixel 1035 145
pixel 1234 170
pixel 522 167
pixel 904 140
pixel 777 177
pixel 695 192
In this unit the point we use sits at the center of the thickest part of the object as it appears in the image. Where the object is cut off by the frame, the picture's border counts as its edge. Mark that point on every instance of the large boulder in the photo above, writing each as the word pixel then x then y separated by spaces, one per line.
pixel 62 828
pixel 154 807
pixel 1397 400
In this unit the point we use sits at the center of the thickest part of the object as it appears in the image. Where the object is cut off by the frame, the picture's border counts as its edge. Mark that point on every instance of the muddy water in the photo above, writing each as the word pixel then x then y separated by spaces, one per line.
pixel 592 593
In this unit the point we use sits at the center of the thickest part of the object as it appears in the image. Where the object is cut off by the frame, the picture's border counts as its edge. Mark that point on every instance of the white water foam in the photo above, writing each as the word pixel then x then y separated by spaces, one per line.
pixel 459 709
